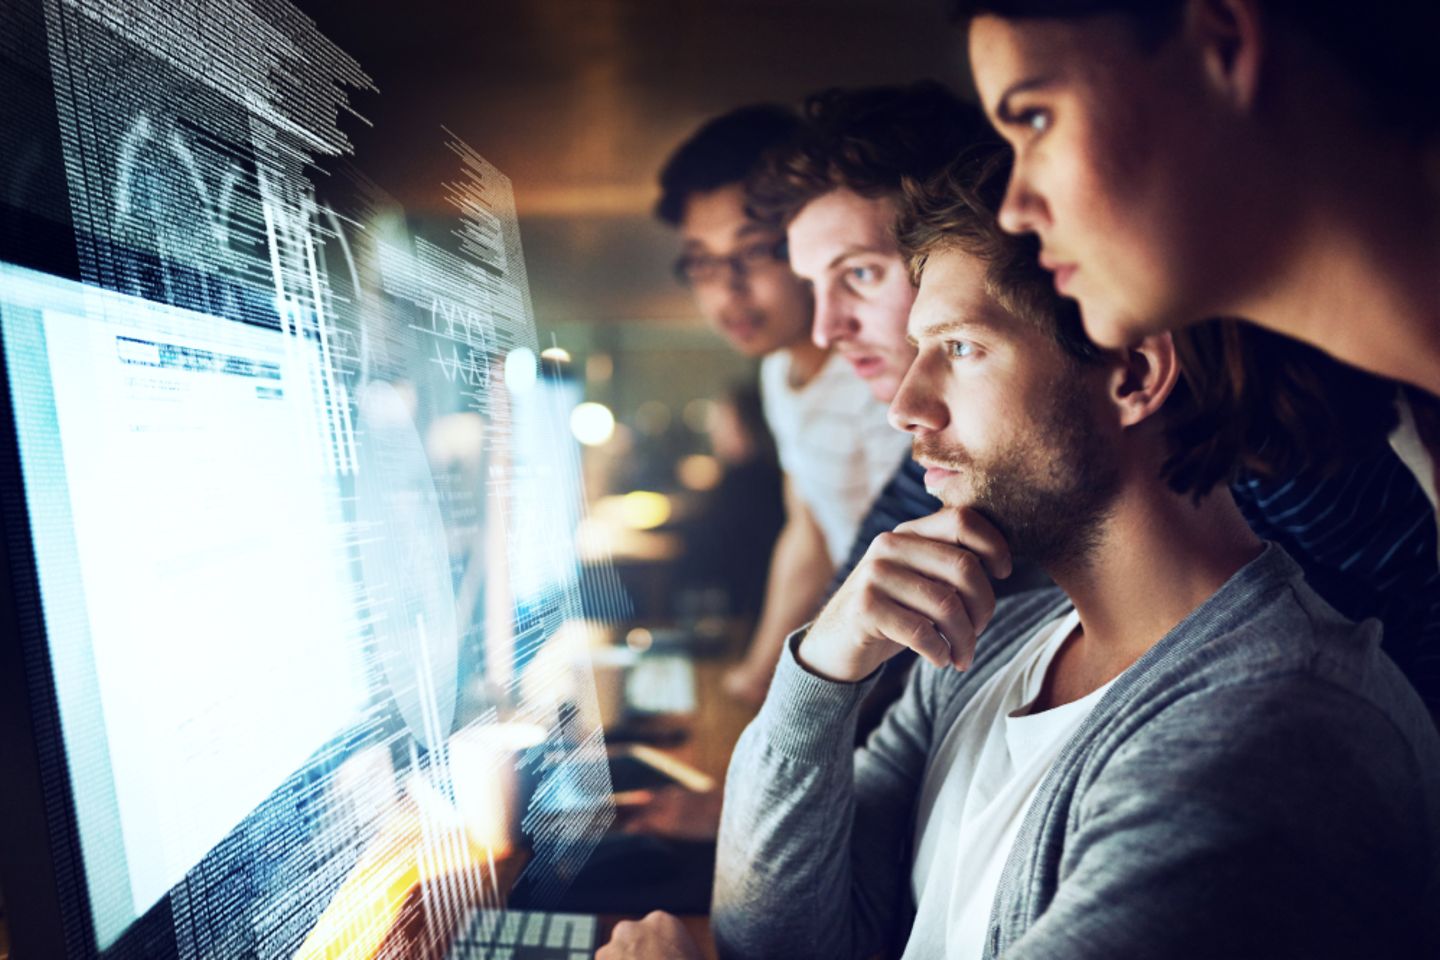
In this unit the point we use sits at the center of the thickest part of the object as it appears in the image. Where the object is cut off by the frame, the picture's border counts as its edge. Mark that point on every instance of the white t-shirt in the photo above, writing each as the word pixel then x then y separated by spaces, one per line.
pixel 835 444
pixel 975 796
pixel 1405 441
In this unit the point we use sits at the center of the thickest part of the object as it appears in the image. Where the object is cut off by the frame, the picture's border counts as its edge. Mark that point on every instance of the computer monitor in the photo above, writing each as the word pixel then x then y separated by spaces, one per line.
pixel 224 617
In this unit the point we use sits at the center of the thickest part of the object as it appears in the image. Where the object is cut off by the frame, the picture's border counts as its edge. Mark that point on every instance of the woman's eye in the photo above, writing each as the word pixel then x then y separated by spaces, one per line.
pixel 1038 121
pixel 960 348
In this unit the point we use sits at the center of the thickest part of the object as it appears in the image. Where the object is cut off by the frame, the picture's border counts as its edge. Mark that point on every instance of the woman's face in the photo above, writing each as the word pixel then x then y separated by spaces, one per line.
pixel 1120 167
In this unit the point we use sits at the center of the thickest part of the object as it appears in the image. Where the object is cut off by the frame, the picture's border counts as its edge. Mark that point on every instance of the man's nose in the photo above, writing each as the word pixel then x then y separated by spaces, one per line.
pixel 737 278
pixel 918 407
pixel 834 320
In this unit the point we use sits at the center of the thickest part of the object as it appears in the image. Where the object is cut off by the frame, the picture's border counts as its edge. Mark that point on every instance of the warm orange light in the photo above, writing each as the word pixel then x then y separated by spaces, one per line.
pixel 644 509
pixel 698 472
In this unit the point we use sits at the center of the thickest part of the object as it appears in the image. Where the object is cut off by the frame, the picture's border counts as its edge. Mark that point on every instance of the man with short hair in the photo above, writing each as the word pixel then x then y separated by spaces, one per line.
pixel 834 443
pixel 1180 752
pixel 834 189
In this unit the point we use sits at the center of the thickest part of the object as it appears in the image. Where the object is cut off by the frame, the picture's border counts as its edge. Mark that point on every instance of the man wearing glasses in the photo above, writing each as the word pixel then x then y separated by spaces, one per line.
pixel 835 446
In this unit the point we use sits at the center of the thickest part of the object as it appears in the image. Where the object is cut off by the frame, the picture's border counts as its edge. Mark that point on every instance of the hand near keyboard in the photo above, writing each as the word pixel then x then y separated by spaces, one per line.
pixel 658 937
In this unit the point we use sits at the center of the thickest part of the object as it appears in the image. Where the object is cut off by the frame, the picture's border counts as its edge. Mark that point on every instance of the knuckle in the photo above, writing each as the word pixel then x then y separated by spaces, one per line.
pixel 967 565
pixel 919 632
pixel 952 606
pixel 885 543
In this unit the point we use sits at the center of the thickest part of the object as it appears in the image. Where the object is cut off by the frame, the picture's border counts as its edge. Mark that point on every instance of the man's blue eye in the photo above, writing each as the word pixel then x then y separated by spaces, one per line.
pixel 864 274
pixel 960 348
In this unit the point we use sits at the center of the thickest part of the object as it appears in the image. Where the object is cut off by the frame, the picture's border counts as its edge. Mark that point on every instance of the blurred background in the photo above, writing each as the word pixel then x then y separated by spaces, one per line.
pixel 580 102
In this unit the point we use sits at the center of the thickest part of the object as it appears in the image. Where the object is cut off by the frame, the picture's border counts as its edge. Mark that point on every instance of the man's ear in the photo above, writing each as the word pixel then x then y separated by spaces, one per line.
pixel 1140 386
pixel 1231 38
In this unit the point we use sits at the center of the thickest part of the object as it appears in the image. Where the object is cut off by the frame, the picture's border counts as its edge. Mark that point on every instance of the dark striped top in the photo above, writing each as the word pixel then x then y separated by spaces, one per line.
pixel 1366 539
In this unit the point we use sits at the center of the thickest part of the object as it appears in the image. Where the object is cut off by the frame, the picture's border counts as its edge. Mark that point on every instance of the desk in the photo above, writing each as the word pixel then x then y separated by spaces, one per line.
pixel 714 729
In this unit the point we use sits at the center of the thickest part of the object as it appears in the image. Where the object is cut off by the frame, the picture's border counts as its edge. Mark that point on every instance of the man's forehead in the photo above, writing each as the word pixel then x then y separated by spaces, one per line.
pixel 953 298
pixel 839 224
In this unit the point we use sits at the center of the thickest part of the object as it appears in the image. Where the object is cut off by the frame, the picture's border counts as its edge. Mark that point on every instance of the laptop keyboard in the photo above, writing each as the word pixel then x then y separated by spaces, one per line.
pixel 526 935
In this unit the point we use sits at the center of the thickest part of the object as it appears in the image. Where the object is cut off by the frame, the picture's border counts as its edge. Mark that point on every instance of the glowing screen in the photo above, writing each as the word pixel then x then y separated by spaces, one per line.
pixel 205 648
pixel 302 502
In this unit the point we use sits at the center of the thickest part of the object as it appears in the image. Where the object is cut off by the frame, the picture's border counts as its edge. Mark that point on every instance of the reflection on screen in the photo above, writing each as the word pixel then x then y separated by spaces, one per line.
pixel 208 541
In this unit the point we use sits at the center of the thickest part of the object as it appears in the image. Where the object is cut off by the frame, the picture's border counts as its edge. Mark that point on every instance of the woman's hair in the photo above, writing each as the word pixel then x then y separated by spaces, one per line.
pixel 1247 399
pixel 1386 46
pixel 1283 406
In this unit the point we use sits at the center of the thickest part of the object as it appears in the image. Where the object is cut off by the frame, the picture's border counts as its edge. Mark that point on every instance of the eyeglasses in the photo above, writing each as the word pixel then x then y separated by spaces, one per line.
pixel 696 269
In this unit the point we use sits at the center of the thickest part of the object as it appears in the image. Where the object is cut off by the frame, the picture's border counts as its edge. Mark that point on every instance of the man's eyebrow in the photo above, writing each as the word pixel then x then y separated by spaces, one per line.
pixel 972 322
pixel 1003 111
pixel 957 325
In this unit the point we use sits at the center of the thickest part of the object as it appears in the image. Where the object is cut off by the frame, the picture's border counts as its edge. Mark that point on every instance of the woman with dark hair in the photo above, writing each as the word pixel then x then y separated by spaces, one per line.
pixel 1298 436
pixel 1273 160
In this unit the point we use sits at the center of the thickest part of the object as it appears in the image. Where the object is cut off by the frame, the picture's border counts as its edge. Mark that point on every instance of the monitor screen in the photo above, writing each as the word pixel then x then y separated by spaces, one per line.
pixel 188 532
pixel 265 617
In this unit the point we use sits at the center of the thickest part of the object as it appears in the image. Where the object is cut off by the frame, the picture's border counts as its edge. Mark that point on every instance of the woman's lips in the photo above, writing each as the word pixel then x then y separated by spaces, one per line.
pixel 1061 272
pixel 1063 276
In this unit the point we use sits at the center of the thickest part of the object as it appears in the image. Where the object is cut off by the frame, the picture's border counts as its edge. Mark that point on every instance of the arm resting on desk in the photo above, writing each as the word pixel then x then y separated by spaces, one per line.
pixel 794 877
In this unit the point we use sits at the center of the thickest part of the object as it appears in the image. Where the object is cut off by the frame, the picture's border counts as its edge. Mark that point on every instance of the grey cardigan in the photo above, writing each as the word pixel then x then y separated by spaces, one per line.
pixel 1261 783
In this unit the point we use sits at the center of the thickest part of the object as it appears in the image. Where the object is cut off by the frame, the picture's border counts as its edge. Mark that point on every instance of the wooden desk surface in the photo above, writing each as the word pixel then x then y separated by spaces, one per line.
pixel 718 722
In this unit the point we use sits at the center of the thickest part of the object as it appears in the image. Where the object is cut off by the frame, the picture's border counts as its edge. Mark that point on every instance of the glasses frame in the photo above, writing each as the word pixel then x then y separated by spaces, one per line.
pixel 739 264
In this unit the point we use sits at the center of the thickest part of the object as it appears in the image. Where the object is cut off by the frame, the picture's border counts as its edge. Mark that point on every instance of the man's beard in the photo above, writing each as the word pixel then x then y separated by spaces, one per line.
pixel 1050 490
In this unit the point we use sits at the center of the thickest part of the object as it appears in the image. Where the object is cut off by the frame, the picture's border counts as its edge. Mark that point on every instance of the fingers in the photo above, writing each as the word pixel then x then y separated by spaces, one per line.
pixel 965 527
pixel 929 616
pixel 923 586
pixel 952 571
pixel 657 937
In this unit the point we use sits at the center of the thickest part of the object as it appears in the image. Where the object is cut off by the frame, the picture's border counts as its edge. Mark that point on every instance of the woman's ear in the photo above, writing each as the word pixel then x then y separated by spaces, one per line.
pixel 1230 36
pixel 1141 384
